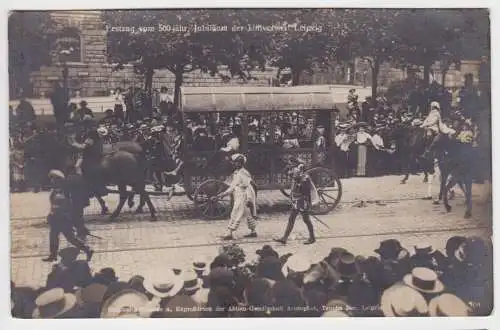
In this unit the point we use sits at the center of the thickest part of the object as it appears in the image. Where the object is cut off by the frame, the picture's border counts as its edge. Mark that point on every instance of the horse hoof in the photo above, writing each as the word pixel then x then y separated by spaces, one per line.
pixel 403 181
pixel 448 208
pixel 139 211
pixel 426 180
pixel 131 204
pixel 153 218
pixel 104 211
pixel 112 218
pixel 468 215
pixel 436 202
pixel 428 198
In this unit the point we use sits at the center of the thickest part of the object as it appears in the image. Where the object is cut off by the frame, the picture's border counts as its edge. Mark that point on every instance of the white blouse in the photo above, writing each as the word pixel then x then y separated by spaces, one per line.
pixel 362 137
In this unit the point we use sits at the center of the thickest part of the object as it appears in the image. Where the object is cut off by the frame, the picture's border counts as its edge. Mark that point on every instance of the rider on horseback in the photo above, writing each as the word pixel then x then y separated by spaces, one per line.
pixel 89 159
pixel 434 127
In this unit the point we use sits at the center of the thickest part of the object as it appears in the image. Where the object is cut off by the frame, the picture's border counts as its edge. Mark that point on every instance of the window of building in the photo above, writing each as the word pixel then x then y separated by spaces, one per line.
pixel 69 46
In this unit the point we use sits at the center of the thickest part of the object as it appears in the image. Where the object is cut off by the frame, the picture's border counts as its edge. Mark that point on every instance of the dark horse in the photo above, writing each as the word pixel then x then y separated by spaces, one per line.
pixel 125 166
pixel 65 159
pixel 456 163
pixel 411 143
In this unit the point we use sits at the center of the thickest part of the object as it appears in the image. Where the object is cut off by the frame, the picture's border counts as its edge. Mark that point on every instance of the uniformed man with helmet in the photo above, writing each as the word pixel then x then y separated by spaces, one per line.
pixel 60 218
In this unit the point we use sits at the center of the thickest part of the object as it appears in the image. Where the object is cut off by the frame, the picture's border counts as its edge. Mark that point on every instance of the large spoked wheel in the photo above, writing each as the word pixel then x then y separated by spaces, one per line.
pixel 208 209
pixel 329 189
pixel 328 186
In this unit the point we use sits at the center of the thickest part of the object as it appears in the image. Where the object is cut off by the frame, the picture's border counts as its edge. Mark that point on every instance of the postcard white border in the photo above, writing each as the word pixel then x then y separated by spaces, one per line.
pixel 6 322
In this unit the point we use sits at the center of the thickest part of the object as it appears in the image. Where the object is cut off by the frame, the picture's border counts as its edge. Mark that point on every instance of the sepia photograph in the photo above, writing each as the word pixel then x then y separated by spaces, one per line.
pixel 250 163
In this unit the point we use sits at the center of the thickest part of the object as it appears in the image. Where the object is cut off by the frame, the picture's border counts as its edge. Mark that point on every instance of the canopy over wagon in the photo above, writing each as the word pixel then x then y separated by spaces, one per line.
pixel 271 124
pixel 251 99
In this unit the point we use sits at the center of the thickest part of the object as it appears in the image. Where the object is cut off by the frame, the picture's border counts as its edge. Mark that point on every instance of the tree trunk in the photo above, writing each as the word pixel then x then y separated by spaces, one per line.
pixel 179 75
pixel 444 71
pixel 427 73
pixel 375 67
pixel 148 80
pixel 296 76
pixel 148 87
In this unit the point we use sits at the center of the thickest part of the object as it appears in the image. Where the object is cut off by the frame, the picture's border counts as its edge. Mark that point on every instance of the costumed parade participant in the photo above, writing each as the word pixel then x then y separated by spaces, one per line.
pixel 245 200
pixel 303 196
pixel 434 127
pixel 60 218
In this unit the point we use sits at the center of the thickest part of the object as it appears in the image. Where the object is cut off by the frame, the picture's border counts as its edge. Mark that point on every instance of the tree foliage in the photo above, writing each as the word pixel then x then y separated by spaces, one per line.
pixel 428 36
pixel 182 51
pixel 373 37
pixel 313 39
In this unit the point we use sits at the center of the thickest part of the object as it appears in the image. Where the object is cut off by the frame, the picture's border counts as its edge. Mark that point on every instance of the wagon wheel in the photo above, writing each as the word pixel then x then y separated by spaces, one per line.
pixel 329 189
pixel 219 209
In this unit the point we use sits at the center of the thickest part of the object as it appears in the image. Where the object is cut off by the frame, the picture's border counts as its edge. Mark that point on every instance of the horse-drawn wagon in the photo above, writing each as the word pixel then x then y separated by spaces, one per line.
pixel 272 125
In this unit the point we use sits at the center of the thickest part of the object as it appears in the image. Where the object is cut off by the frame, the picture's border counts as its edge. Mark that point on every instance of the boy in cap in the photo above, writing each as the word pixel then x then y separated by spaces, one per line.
pixel 303 195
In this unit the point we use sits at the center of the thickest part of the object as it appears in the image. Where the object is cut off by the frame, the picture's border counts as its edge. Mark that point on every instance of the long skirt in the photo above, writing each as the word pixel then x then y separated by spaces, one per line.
pixel 362 157
pixel 17 173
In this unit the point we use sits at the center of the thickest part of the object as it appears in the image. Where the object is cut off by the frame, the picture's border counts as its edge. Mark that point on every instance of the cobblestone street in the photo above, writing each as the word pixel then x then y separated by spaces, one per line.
pixel 372 209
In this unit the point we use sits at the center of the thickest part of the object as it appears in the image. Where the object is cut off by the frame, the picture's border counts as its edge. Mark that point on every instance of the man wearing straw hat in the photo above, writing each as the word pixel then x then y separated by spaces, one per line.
pixel 243 190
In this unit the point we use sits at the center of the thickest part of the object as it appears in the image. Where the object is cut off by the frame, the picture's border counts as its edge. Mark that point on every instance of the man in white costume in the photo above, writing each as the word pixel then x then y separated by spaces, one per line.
pixel 435 127
pixel 242 188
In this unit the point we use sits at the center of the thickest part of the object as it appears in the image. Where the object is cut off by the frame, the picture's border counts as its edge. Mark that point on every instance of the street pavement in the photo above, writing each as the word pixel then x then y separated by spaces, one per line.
pixel 372 209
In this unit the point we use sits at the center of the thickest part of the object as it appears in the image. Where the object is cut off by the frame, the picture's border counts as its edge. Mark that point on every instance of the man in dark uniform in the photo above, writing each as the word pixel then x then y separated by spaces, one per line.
pixel 301 198
pixel 77 190
pixel 60 218
pixel 90 162
pixel 156 156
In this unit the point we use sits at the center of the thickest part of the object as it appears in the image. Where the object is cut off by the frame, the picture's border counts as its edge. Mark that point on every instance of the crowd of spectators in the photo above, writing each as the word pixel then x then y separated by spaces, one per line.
pixel 365 142
pixel 395 281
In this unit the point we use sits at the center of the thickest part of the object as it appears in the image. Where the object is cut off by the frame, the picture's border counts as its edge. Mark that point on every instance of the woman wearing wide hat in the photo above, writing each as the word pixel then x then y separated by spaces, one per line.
pixel 363 143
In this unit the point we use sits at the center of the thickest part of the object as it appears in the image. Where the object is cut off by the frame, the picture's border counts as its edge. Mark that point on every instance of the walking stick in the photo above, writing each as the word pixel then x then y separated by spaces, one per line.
pixel 95 236
pixel 320 221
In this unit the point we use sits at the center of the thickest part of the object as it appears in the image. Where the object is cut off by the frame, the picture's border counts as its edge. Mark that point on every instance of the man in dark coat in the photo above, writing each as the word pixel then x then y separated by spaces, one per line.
pixel 25 112
pixel 60 218
pixel 84 110
pixel 77 190
pixel 59 99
